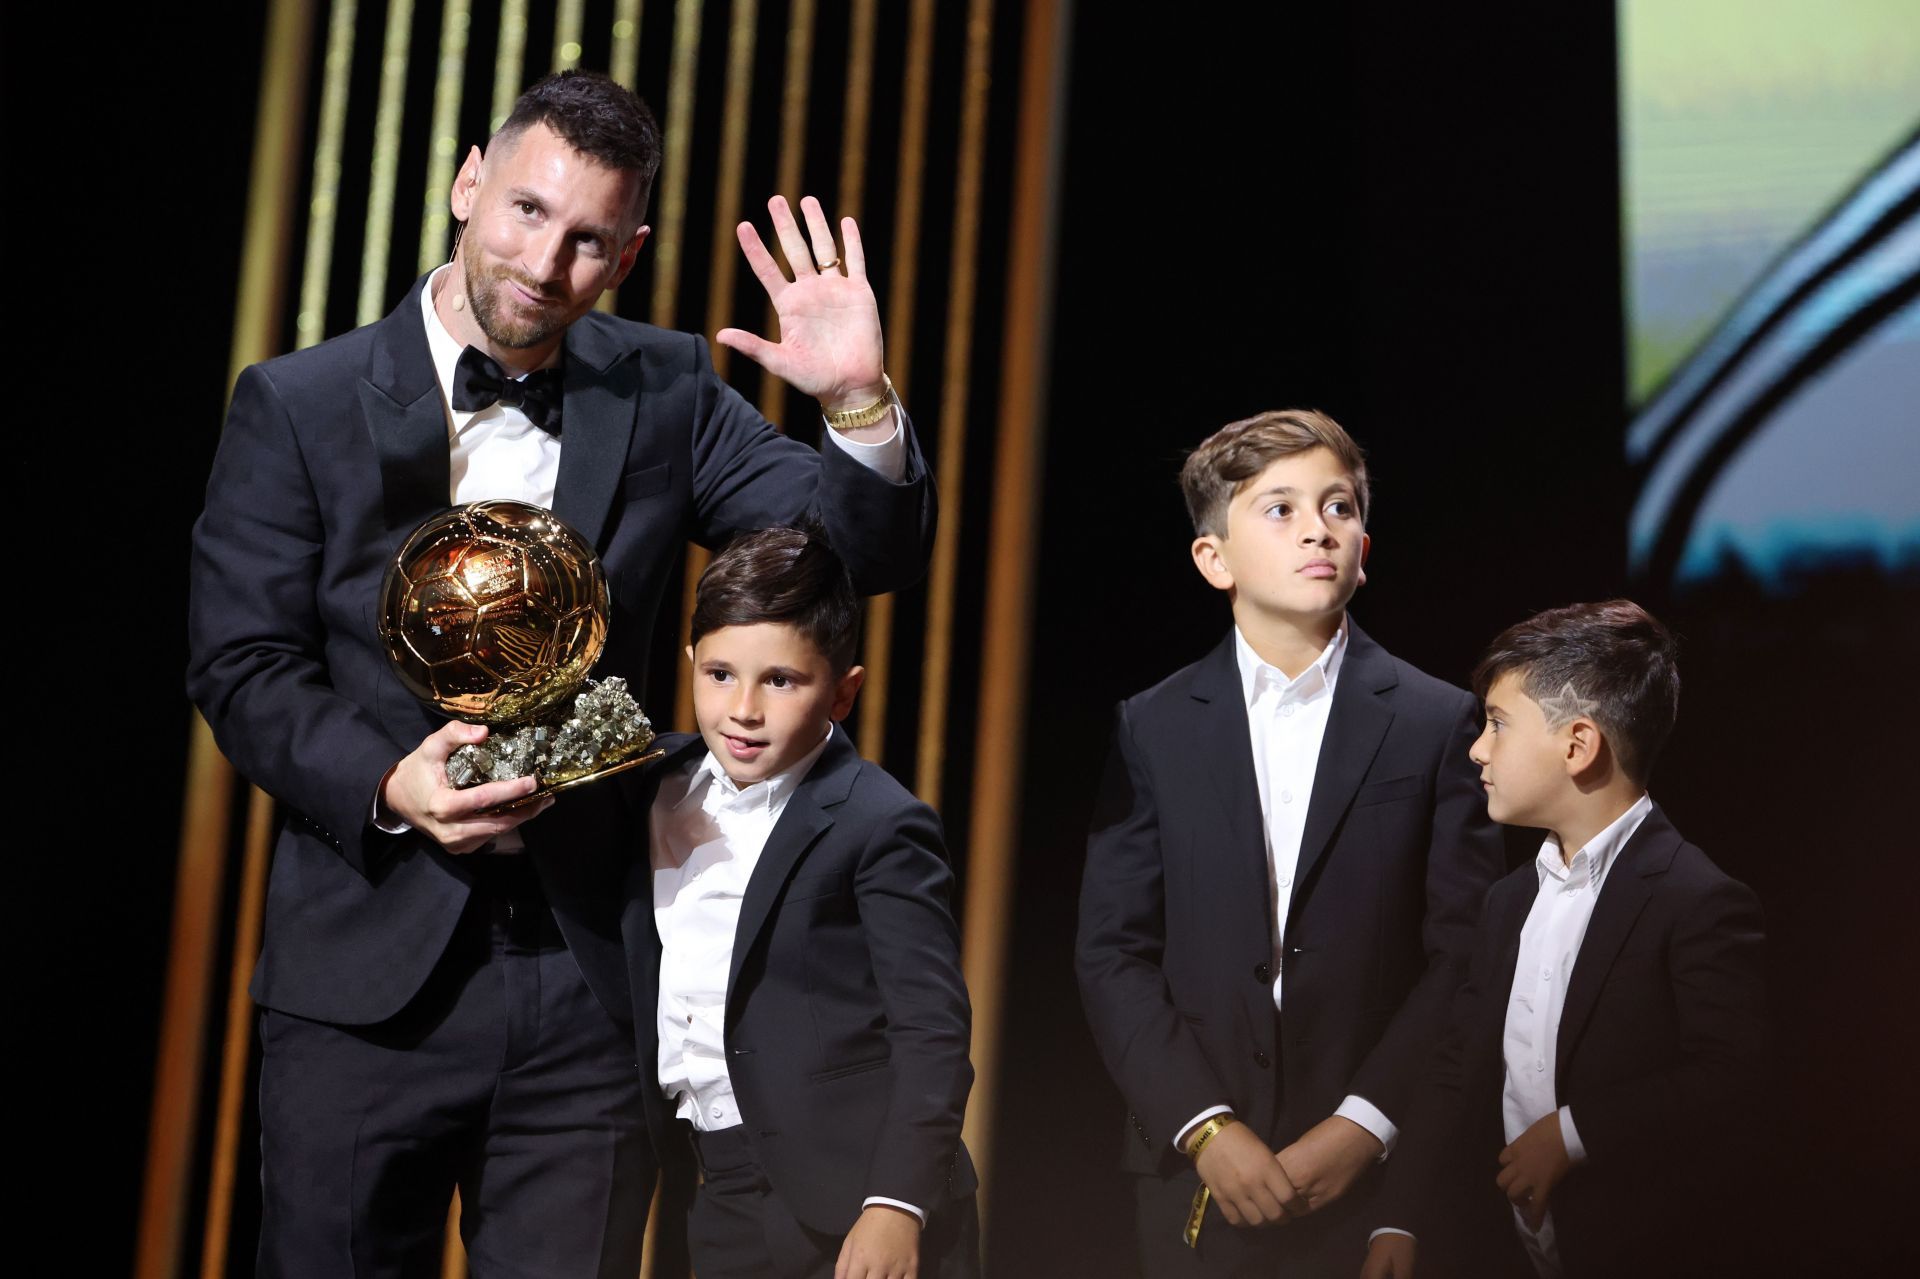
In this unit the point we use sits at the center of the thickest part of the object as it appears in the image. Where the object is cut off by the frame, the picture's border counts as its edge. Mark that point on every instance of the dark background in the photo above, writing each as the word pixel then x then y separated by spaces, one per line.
pixel 1404 215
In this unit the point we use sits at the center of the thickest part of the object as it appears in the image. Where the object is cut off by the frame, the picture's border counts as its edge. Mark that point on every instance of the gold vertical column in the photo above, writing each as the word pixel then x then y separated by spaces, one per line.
pixel 999 739
pixel 509 61
pixel 737 105
pixel 791 172
pixel 238 1047
pixel 386 161
pixel 930 767
pixel 310 325
pixel 207 802
pixel 569 21
pixel 624 67
pixel 671 213
pixel 905 262
pixel 443 147
pixel 624 64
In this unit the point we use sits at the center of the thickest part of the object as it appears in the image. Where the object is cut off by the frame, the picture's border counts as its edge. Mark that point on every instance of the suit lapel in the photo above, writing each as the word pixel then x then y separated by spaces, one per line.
pixel 1356 724
pixel 800 827
pixel 602 396
pixel 1622 897
pixel 1224 748
pixel 400 399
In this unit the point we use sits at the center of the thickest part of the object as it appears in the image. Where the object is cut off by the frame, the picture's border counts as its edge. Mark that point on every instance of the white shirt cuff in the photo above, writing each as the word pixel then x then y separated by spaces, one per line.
pixel 888 457
pixel 1368 1116
pixel 401 826
pixel 1180 1138
pixel 871 1200
pixel 1570 1136
pixel 1391 1230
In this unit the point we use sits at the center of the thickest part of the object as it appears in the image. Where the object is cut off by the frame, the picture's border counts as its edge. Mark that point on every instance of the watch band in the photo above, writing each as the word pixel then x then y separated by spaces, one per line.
pixel 854 419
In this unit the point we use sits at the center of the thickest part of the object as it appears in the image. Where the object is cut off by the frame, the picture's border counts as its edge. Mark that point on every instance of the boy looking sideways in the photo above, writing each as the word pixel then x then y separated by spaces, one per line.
pixel 1603 1063
pixel 795 963
pixel 1283 878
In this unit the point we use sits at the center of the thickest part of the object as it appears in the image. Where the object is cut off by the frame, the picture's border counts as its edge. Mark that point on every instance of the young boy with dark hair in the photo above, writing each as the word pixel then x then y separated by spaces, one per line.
pixel 795 963
pixel 1282 882
pixel 1584 1113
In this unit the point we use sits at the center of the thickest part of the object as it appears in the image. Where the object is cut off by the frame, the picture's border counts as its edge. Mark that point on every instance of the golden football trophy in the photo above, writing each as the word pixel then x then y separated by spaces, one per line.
pixel 494 612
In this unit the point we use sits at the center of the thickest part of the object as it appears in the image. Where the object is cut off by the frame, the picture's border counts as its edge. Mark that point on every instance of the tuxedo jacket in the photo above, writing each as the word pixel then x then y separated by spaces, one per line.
pixel 1175 947
pixel 1660 1055
pixel 330 458
pixel 847 1021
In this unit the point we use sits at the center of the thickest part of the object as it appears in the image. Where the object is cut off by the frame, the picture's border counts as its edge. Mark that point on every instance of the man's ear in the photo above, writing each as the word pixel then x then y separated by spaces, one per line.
pixel 1366 545
pixel 627 257
pixel 846 690
pixel 689 655
pixel 1212 564
pixel 465 184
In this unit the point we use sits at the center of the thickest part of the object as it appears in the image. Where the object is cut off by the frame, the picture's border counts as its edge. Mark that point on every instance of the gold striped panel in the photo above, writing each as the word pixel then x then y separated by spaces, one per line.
pixel 1000 734
pixel 931 760
pixel 444 153
pixel 311 323
pixel 509 61
pixel 386 162
pixel 904 259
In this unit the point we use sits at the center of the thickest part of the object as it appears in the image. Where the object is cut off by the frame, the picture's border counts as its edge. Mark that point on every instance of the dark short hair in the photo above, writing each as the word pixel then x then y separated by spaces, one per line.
pixel 1614 655
pixel 597 116
pixel 784 575
pixel 1239 451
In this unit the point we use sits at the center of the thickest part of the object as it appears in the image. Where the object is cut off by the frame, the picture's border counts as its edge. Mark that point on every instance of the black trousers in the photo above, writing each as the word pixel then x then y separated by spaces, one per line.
pixel 504 1076
pixel 739 1229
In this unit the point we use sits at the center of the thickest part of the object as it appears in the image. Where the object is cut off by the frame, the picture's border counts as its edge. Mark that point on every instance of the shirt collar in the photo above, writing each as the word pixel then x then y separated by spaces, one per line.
pixel 1592 862
pixel 445 350
pixel 1257 675
pixel 714 790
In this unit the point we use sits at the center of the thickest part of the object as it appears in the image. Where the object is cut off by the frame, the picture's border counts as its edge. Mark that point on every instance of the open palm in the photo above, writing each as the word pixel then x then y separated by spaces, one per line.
pixel 830 344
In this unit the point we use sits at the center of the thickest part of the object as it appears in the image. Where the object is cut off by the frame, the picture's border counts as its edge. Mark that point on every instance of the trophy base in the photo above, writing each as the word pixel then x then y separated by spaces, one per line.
pixel 605 770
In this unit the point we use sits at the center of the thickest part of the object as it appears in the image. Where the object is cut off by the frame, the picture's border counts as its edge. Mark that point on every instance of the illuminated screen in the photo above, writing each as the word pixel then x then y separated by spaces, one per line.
pixel 1770 169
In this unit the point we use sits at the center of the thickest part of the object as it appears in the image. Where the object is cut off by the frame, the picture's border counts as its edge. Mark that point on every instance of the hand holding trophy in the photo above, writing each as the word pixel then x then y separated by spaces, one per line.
pixel 494 613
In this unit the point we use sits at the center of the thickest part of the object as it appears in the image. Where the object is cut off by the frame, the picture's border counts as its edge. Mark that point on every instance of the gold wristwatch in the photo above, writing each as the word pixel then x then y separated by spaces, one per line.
pixel 854 419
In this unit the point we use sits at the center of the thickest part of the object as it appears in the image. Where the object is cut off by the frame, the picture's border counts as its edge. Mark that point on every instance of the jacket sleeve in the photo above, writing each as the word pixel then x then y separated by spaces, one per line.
pixel 904 891
pixel 256 665
pixel 747 475
pixel 1465 856
pixel 1713 1090
pixel 1146 1045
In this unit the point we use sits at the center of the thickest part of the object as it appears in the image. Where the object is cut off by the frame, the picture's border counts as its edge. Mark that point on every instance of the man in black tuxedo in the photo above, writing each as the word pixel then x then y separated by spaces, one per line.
pixel 801 1016
pixel 444 994
pixel 1282 881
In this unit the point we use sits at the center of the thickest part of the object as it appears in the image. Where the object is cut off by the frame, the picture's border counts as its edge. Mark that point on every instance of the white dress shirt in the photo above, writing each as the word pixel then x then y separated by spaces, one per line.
pixel 1549 944
pixel 707 835
pixel 1287 720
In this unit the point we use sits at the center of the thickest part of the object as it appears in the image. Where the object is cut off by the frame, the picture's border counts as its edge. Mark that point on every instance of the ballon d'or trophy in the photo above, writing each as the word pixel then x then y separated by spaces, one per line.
pixel 494 612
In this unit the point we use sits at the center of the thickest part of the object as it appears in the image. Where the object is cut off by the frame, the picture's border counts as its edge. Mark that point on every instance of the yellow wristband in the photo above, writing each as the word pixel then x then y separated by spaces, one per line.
pixel 1208 1131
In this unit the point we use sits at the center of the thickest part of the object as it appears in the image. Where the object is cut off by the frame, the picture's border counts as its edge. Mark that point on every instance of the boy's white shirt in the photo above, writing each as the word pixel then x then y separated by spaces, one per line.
pixel 706 835
pixel 1286 722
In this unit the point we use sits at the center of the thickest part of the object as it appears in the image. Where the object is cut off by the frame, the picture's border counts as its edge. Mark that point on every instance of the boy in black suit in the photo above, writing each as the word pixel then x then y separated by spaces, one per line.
pixel 1282 880
pixel 1591 1103
pixel 795 964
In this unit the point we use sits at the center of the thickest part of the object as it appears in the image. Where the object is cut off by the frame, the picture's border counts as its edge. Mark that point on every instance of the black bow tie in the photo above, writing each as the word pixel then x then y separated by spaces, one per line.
pixel 479 382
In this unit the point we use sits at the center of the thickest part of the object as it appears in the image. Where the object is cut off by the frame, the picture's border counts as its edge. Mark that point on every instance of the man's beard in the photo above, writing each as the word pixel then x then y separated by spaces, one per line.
pixel 498 316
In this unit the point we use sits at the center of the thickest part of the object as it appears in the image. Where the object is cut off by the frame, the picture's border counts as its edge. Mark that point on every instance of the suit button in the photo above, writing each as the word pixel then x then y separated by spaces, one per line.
pixel 1262 973
pixel 1261 1060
